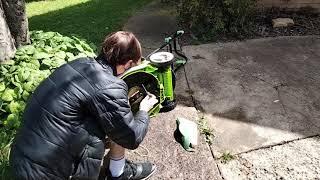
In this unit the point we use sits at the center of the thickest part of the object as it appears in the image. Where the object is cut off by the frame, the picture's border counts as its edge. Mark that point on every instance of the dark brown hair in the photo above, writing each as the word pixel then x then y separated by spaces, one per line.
pixel 120 47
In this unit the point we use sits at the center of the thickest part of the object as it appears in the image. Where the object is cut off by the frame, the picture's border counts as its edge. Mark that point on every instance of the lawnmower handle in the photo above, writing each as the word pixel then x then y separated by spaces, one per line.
pixel 173 36
pixel 168 40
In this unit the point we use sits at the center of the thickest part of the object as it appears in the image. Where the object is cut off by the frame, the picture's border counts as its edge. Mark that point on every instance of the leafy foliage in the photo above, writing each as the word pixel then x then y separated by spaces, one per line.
pixel 212 18
pixel 19 78
pixel 205 129
pixel 32 64
pixel 227 157
pixel 5 142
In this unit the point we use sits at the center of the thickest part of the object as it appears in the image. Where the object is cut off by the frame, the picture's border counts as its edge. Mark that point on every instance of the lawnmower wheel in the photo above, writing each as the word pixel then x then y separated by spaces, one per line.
pixel 168 106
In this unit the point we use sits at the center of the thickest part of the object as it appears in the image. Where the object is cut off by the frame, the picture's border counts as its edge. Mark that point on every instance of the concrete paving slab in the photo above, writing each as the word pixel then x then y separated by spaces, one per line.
pixel 295 160
pixel 258 92
pixel 172 161
pixel 151 25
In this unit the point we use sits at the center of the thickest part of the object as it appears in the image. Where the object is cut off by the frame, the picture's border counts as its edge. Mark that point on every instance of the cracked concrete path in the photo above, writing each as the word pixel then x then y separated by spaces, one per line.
pixel 172 161
pixel 295 160
pixel 257 93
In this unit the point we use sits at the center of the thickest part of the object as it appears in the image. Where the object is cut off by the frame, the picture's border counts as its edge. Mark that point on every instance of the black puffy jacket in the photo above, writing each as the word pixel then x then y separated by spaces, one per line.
pixel 67 119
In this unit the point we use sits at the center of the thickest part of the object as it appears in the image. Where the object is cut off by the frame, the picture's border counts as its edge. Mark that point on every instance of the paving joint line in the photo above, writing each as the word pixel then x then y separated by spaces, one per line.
pixel 196 106
pixel 277 144
pixel 217 165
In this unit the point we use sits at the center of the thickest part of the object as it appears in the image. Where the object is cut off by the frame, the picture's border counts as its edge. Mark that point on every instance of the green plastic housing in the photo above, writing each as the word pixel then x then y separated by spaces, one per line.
pixel 163 77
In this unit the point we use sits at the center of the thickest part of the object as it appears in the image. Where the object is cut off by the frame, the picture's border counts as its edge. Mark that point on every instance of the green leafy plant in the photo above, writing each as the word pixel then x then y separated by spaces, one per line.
pixel 20 76
pixel 226 157
pixel 31 64
pixel 206 130
pixel 209 19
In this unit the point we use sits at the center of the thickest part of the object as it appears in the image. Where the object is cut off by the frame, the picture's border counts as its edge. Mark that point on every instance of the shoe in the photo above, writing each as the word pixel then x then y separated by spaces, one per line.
pixel 136 171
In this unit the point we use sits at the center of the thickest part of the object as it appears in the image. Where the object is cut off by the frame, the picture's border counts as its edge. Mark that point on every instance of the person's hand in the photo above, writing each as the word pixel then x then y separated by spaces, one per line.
pixel 148 102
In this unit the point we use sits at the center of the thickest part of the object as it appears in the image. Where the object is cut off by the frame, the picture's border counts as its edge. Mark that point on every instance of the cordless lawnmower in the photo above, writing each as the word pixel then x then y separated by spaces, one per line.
pixel 156 74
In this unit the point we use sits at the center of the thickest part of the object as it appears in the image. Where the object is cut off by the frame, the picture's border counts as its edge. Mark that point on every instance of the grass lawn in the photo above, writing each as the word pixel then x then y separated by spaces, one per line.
pixel 88 19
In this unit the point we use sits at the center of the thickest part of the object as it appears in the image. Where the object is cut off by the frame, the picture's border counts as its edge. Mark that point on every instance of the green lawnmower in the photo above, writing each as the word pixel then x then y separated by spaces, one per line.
pixel 156 74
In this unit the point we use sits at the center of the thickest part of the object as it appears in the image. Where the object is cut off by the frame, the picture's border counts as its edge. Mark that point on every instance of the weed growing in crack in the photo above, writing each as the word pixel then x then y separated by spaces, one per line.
pixel 205 129
pixel 226 157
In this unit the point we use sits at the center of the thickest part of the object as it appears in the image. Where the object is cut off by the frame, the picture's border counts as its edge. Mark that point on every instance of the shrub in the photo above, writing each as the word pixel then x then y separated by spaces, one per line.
pixel 20 76
pixel 212 18
pixel 31 64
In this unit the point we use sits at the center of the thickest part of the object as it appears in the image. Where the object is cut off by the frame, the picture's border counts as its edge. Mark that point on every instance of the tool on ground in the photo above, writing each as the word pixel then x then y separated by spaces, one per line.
pixel 187 133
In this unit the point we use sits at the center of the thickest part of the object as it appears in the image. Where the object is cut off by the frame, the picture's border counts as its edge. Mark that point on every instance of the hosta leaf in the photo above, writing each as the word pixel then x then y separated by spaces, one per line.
pixel 42 55
pixel 2 86
pixel 45 73
pixel 8 95
pixel 79 47
pixel 25 95
pixel 28 86
pixel 57 62
pixel 20 52
pixel 47 49
pixel 86 47
pixel 23 64
pixel 22 106
pixel 8 62
pixel 14 107
pixel 18 92
pixel 34 64
pixel 12 121
pixel 61 54
pixel 69 45
pixel 46 62
pixel 12 69
pixel 31 65
pixel 23 75
pixel 69 55
pixel 29 49
pixel 14 82
pixel 63 47
pixel 4 70
pixel 49 35
pixel 16 78
pixel 81 55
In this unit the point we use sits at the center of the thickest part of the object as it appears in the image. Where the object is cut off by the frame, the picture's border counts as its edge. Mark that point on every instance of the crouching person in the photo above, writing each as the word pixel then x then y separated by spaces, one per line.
pixel 70 113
